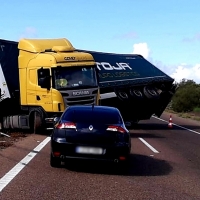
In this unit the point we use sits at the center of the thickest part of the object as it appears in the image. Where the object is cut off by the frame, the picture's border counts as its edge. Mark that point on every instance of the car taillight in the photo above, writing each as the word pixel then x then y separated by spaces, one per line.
pixel 116 128
pixel 56 154
pixel 66 125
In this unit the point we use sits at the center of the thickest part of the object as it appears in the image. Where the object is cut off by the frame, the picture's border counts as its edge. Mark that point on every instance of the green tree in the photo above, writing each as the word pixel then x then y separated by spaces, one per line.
pixel 187 97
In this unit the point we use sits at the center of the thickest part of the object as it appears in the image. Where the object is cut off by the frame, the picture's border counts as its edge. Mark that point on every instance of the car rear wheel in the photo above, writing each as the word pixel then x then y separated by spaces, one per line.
pixel 123 166
pixel 55 162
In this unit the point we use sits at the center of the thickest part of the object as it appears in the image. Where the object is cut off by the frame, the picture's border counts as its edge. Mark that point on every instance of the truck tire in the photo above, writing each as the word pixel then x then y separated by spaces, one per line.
pixel 150 92
pixel 15 122
pixel 122 95
pixel 36 121
pixel 6 123
pixel 136 93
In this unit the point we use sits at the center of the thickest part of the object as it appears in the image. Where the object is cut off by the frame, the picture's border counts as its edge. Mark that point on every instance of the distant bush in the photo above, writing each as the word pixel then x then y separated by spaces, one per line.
pixel 196 110
pixel 187 97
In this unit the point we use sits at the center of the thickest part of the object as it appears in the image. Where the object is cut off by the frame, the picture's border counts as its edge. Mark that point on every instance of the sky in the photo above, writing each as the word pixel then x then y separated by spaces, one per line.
pixel 166 33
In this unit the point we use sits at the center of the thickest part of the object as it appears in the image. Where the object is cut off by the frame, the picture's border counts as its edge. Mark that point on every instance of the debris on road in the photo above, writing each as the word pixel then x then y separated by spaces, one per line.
pixel 9 139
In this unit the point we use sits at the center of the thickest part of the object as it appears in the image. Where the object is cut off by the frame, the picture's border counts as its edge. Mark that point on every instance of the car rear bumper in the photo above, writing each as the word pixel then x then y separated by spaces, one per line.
pixel 114 153
pixel 115 160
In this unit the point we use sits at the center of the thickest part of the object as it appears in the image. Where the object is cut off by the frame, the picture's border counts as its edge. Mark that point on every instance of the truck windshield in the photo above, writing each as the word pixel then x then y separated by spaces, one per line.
pixel 68 77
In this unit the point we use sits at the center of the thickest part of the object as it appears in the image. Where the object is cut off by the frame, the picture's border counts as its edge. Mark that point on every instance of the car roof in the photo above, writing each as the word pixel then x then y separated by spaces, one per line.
pixel 94 108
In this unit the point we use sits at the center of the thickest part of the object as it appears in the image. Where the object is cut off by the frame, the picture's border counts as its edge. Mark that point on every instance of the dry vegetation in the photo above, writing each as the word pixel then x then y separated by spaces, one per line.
pixel 190 115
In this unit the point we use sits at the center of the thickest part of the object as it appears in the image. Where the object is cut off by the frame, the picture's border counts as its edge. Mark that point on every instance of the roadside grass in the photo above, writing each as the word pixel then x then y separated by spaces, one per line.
pixel 197 109
pixel 195 115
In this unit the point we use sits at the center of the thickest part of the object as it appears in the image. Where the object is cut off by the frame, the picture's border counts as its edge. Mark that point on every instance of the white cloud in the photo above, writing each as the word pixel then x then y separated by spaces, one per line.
pixel 178 72
pixel 129 35
pixel 142 49
pixel 29 32
pixel 187 72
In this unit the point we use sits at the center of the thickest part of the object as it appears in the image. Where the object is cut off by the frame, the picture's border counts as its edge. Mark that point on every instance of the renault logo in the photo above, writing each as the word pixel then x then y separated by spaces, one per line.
pixel 90 127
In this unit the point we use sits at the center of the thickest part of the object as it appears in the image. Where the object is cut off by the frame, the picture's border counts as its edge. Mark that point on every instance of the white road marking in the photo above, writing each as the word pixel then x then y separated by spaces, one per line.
pixel 4 134
pixel 7 178
pixel 148 145
pixel 177 125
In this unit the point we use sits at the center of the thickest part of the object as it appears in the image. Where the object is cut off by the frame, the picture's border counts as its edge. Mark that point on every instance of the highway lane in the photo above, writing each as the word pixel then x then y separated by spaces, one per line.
pixel 170 172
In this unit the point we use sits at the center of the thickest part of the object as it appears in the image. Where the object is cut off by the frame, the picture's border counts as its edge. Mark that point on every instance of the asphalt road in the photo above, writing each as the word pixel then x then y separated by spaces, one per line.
pixel 165 164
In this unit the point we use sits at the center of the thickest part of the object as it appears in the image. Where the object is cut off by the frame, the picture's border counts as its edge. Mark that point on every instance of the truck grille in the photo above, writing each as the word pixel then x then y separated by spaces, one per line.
pixel 87 100
pixel 80 96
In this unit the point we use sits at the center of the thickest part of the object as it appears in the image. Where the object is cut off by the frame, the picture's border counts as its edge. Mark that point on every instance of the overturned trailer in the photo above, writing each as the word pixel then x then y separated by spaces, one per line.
pixel 39 78
pixel 133 85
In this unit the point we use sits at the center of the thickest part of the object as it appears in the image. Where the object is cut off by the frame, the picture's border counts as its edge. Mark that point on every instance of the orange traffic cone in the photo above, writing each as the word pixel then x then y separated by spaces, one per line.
pixel 170 122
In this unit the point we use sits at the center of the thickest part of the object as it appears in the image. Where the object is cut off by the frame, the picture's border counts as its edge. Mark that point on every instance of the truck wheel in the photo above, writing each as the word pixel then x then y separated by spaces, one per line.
pixel 55 162
pixel 36 121
pixel 122 95
pixel 150 92
pixel 135 93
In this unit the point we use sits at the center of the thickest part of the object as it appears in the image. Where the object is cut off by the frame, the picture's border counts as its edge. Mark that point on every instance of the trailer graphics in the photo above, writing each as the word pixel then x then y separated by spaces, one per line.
pixel 133 85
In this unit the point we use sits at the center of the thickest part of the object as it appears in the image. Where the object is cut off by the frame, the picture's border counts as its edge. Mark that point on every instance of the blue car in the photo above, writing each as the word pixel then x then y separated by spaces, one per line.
pixel 91 133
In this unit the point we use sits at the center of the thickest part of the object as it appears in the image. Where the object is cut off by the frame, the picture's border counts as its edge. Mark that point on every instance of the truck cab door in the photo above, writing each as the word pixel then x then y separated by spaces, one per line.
pixel 43 90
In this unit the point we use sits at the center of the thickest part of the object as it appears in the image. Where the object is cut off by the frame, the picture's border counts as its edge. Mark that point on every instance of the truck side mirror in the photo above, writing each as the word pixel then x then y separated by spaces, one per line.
pixel 44 78
pixel 45 82
pixel 55 120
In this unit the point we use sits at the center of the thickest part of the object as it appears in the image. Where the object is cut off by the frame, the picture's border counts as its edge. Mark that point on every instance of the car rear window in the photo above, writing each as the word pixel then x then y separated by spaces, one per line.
pixel 88 116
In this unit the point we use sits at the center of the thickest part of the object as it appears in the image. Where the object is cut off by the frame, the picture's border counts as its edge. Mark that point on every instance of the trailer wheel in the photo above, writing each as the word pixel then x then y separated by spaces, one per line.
pixel 122 95
pixel 135 93
pixel 150 92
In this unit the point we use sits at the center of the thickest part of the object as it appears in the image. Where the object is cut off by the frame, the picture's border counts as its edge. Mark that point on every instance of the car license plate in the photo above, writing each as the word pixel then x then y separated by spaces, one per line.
pixel 89 150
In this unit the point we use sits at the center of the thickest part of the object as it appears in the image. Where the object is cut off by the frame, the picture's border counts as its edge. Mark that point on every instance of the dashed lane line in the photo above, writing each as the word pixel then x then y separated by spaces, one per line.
pixel 8 177
pixel 148 145
pixel 152 148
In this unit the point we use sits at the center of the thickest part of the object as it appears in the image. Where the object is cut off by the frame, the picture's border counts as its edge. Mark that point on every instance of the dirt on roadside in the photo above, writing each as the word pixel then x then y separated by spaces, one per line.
pixel 8 139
